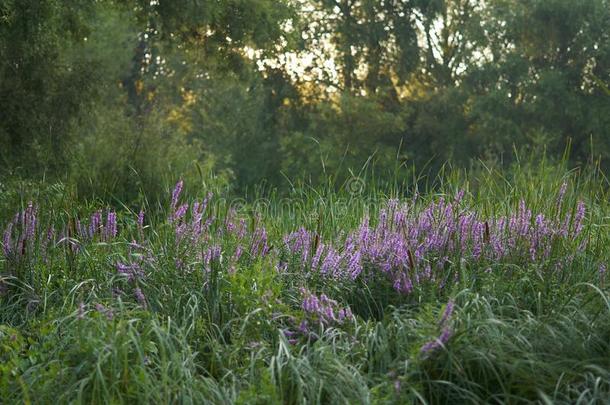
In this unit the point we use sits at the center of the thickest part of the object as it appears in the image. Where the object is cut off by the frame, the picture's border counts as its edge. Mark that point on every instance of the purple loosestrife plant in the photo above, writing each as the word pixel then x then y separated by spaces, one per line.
pixel 561 194
pixel 110 231
pixel 132 271
pixel 578 219
pixel 45 242
pixel 447 313
pixel 29 221
pixel 211 254
pixel 323 310
pixel 7 247
pixel 140 220
pixel 176 194
pixel 95 224
pixel 20 235
pixel 405 247
pixel 140 297
pixel 259 245
pixel 446 331
pixel 179 213
pixel 191 231
pixel 437 343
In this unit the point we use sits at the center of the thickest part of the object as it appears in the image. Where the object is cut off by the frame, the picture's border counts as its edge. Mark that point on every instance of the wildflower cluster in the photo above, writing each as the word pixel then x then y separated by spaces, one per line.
pixel 410 244
pixel 97 228
pixel 412 247
pixel 318 311
pixel 203 238
pixel 323 310
pixel 20 234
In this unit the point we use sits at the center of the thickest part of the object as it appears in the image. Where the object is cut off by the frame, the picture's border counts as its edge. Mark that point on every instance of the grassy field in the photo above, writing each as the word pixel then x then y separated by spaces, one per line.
pixel 490 287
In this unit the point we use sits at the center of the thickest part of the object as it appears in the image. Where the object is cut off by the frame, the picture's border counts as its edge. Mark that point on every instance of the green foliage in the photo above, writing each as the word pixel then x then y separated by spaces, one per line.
pixel 117 162
pixel 262 91
pixel 43 87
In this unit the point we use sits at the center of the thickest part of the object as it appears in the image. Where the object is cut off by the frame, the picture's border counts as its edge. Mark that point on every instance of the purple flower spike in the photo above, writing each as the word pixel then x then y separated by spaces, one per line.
pixel 141 219
pixel 447 314
pixel 579 217
pixel 6 239
pixel 437 343
pixel 323 309
pixel 30 221
pixel 95 224
pixel 111 227
pixel 176 194
pixel 131 271
pixel 140 296
pixel 562 193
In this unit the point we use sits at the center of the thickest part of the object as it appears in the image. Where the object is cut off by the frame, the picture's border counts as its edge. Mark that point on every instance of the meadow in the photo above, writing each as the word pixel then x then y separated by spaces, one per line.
pixel 485 287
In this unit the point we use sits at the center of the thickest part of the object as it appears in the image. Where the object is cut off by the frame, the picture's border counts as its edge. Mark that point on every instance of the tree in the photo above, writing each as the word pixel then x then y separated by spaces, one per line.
pixel 541 77
pixel 43 86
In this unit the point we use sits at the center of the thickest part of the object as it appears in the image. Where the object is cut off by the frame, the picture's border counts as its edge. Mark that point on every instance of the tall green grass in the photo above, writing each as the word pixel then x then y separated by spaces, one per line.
pixel 73 331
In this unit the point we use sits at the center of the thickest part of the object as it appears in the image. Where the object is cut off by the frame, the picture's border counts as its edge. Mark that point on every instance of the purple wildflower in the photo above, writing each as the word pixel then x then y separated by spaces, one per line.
pixel 437 343
pixel 6 239
pixel 140 296
pixel 578 218
pixel 176 194
pixel 46 241
pixel 561 194
pixel 29 221
pixel 324 309
pixel 354 266
pixel 179 213
pixel 447 313
pixel 131 271
pixel 288 333
pixel 95 224
pixel 304 327
pixel 458 197
pixel 259 242
pixel 111 226
pixel 315 261
pixel 446 331
pixel 241 230
pixel 238 252
pixel 141 220
pixel 211 255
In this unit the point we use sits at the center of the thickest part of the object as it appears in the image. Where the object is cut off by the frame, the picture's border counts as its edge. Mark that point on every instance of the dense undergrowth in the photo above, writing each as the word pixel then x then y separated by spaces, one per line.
pixel 492 288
